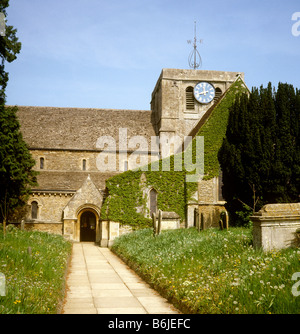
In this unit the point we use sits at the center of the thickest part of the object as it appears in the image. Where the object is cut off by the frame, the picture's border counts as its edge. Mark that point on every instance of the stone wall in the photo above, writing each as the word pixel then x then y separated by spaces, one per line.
pixel 50 206
pixel 207 202
pixel 109 231
pixel 36 225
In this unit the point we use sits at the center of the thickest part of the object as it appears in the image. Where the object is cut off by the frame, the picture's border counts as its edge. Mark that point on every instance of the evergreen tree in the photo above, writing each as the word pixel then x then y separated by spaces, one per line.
pixel 260 155
pixel 286 146
pixel 16 174
pixel 9 48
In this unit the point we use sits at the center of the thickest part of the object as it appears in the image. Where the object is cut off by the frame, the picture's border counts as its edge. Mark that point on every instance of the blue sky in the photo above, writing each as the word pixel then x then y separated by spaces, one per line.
pixel 110 53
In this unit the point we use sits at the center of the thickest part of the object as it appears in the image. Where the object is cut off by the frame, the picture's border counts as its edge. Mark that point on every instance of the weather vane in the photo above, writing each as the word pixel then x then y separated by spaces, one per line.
pixel 194 57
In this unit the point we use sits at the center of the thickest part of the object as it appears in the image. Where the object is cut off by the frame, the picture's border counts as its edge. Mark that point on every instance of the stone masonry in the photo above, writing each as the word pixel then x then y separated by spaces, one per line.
pixel 275 226
pixel 63 142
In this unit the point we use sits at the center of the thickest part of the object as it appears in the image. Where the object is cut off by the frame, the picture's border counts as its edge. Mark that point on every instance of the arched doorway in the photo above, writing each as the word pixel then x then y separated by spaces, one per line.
pixel 88 226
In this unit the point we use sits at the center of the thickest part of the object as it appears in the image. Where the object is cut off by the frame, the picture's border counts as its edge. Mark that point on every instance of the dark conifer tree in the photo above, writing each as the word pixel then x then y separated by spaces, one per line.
pixel 260 155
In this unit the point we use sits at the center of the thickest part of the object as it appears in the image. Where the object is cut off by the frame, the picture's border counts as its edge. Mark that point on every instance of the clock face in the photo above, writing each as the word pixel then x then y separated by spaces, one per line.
pixel 204 92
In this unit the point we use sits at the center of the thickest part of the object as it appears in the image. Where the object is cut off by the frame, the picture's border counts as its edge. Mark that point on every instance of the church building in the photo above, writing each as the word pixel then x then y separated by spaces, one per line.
pixel 68 144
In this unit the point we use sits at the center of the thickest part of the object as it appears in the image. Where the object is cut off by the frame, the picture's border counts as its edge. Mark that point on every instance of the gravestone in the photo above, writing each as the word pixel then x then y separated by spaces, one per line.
pixel 275 226
pixel 154 224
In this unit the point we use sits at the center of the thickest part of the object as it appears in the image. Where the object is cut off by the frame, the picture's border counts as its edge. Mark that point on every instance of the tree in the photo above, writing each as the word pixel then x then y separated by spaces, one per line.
pixel 260 153
pixel 16 174
pixel 9 48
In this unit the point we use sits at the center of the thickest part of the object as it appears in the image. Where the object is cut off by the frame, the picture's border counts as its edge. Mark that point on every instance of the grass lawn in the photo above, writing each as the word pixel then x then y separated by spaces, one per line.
pixel 34 282
pixel 214 271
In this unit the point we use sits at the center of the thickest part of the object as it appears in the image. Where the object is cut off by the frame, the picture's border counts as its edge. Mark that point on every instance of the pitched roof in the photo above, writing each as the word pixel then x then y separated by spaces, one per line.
pixel 79 128
pixel 69 180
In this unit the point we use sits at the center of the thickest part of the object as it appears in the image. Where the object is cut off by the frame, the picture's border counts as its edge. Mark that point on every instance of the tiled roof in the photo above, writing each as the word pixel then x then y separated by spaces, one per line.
pixel 79 128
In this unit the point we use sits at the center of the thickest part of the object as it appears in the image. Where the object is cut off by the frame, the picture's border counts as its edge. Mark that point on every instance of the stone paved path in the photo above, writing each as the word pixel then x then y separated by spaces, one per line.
pixel 98 282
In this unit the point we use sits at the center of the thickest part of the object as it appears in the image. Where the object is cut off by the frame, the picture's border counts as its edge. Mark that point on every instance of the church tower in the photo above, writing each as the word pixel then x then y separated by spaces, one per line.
pixel 182 97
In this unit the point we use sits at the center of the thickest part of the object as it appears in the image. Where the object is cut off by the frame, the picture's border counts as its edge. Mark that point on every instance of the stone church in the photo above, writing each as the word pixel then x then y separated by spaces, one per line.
pixel 65 145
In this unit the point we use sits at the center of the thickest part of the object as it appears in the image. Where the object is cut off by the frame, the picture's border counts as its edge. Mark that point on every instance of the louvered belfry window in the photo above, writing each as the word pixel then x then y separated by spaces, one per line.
pixel 218 94
pixel 189 98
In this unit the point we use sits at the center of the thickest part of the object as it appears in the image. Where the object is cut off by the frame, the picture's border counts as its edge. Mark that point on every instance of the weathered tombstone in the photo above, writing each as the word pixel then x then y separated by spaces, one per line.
pixel 22 225
pixel 223 222
pixel 29 251
pixel 154 223
pixel 226 220
pixel 197 222
pixel 159 222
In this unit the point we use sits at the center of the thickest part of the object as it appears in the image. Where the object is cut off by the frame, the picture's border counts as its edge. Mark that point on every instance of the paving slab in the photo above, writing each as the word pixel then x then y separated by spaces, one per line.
pixel 99 282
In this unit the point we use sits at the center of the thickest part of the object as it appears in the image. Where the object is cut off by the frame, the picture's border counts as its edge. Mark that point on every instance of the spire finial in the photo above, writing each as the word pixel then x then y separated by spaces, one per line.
pixel 194 57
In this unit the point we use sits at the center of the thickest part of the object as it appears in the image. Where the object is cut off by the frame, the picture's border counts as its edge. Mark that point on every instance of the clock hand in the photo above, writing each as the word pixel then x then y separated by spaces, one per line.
pixel 204 92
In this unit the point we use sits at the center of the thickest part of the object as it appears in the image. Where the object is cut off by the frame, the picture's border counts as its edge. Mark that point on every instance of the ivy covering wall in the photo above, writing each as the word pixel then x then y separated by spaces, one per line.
pixel 127 200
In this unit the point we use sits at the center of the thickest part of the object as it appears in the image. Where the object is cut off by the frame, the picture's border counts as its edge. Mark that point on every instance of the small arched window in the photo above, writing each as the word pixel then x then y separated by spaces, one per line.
pixel 218 94
pixel 84 164
pixel 189 98
pixel 152 201
pixel 42 163
pixel 34 210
